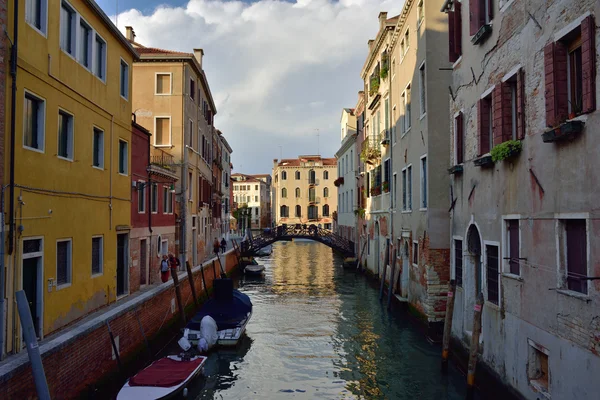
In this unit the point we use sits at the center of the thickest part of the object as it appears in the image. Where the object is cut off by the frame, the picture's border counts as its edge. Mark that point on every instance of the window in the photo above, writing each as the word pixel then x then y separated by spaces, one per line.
pixel 420 13
pixel 85 44
pixel 480 14
pixel 406 118
pixel 36 14
pixel 458 139
pixel 67 28
pixel 538 372
pixel 255 187
pixel 512 246
pixel 100 61
pixel 284 192
pixel 573 254
pixel 486 125
pixel 312 176
pixel 256 211
pixel 167 201
pixel 65 135
pixel 455 32
pixel 256 199
pixel 394 122
pixel 325 192
pixel 386 122
pixel 394 191
pixel 123 158
pixel 141 197
pixel 97 255
pixel 63 262
pixel 298 211
pixel 284 211
pixel 283 175
pixel 124 79
pixel 458 262
pixel 297 175
pixel 297 193
pixel 326 210
pixel 154 198
pixel 424 182
pixel 34 122
pixel 192 89
pixel 406 40
pixel 163 83
pixel 191 130
pixel 571 91
pixel 313 212
pixel 190 186
pixel 415 252
pixel 422 89
pixel 492 273
pixel 312 195
pixel 387 172
pixel 404 189
pixel 325 174
pixel 162 131
pixel 98 148
pixel 327 226
pixel 407 188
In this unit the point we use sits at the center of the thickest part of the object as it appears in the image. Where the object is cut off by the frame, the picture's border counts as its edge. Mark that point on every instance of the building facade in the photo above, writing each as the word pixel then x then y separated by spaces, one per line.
pixel 524 214
pixel 253 193
pixel 152 218
pixel 177 107
pixel 303 191
pixel 71 164
pixel 226 187
pixel 346 179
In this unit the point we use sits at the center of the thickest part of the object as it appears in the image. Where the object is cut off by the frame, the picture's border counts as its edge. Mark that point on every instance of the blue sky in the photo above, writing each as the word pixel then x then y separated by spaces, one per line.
pixel 279 71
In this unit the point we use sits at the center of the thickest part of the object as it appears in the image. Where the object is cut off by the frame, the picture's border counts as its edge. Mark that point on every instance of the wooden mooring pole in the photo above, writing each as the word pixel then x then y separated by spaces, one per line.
pixel 474 345
pixel 178 294
pixel 191 279
pixel 204 282
pixel 448 325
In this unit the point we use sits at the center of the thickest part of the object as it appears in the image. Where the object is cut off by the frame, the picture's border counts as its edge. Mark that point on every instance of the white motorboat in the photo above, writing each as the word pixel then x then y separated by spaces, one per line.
pixel 227 337
pixel 163 379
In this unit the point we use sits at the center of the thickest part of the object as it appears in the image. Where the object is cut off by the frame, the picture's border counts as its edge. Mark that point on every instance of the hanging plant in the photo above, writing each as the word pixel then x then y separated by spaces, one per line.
pixel 506 150
pixel 385 186
pixel 360 212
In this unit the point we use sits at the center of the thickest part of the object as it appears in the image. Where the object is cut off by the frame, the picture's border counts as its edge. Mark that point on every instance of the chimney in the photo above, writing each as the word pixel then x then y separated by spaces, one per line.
pixel 370 43
pixel 129 33
pixel 382 18
pixel 198 54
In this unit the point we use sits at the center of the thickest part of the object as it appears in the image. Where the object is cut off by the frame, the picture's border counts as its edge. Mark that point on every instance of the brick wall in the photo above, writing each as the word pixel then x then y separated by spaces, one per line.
pixel 68 369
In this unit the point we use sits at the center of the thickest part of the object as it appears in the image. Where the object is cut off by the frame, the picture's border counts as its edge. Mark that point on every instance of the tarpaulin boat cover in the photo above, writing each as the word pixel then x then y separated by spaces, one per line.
pixel 165 372
pixel 227 314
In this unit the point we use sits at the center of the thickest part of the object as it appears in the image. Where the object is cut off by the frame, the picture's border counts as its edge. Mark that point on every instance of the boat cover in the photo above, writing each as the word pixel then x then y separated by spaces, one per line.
pixel 166 372
pixel 227 314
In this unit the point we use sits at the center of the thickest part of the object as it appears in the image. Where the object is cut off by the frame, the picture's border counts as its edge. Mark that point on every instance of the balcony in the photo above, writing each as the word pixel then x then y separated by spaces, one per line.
pixel 313 181
pixel 370 153
pixel 162 163
pixel 384 137
pixel 314 199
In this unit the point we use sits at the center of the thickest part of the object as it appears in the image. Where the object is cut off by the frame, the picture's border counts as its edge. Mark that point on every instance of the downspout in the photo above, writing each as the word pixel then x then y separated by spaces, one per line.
pixel 184 203
pixel 13 110
pixel 110 206
pixel 390 184
pixel 2 277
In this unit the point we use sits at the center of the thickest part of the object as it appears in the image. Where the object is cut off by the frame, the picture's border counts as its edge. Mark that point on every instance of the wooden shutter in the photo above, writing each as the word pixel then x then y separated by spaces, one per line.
pixel 521 122
pixel 555 68
pixel 498 114
pixel 452 56
pixel 459 139
pixel 475 13
pixel 576 255
pixel 588 63
pixel 457 28
pixel 483 126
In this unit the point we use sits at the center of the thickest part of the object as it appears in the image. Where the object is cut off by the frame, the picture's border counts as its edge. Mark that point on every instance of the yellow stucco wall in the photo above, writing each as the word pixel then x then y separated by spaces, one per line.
pixel 64 199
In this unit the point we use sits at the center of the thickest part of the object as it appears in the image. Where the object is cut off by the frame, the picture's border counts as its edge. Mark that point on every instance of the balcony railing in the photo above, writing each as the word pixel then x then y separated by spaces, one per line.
pixel 371 151
pixel 161 158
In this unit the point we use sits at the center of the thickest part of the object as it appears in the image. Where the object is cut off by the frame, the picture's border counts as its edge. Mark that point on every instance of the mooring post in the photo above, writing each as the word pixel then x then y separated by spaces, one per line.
pixel 385 263
pixel 448 325
pixel 214 271
pixel 474 344
pixel 114 346
pixel 223 274
pixel 191 279
pixel 178 294
pixel 204 282
pixel 33 349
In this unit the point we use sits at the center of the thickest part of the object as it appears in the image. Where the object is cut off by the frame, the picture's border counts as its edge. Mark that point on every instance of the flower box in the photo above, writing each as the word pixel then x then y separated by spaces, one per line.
pixel 456 170
pixel 484 161
pixel 565 131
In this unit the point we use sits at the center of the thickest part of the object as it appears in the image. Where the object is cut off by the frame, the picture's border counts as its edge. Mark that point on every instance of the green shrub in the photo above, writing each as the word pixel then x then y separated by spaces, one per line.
pixel 506 150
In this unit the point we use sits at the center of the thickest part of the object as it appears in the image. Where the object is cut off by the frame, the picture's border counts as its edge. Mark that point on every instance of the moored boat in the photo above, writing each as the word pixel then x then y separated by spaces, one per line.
pixel 254 269
pixel 163 379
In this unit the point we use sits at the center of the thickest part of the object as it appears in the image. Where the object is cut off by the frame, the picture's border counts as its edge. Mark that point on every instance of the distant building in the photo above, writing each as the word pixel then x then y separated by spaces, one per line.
pixel 303 191
pixel 254 193
pixel 347 168
pixel 226 186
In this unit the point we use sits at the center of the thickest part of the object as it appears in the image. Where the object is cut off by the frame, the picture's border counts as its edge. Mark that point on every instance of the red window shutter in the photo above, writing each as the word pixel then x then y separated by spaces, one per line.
pixel 550 91
pixel 588 63
pixel 521 104
pixel 459 139
pixel 475 13
pixel 506 111
pixel 452 56
pixel 483 126
pixel 498 115
pixel 555 69
pixel 457 28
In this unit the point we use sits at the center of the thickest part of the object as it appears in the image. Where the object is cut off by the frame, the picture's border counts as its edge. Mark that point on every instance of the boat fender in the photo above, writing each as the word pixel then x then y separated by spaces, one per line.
pixel 184 344
pixel 185 392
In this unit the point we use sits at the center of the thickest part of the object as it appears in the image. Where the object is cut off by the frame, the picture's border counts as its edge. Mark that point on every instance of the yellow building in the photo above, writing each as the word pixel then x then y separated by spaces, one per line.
pixel 72 185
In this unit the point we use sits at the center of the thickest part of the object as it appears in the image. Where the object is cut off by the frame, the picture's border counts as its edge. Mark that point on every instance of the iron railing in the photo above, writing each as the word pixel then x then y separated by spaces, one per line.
pixel 161 158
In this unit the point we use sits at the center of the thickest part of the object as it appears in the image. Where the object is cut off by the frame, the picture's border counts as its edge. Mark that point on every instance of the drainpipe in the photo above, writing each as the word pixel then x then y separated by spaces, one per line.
pixel 13 110
pixel 184 202
pixel 110 206
pixel 390 184
pixel 2 276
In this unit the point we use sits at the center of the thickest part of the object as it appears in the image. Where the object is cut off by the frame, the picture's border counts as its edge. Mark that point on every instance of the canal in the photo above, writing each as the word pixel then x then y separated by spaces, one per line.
pixel 319 331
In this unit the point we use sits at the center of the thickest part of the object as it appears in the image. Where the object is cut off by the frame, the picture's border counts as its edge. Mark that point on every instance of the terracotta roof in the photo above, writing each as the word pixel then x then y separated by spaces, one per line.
pixel 153 50
pixel 349 110
pixel 296 162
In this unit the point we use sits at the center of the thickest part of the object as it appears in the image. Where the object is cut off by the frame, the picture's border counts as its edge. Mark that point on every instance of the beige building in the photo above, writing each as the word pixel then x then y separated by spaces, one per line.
pixel 172 99
pixel 303 191
pixel 254 192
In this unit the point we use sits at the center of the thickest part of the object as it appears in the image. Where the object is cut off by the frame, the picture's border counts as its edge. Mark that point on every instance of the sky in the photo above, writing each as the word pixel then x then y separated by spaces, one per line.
pixel 280 72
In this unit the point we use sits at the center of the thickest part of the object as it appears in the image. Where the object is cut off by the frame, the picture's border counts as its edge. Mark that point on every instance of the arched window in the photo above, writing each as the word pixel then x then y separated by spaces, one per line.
pixel 312 179
pixel 311 195
pixel 313 212
pixel 284 212
pixel 325 174
pixel 326 210
pixel 283 175
pixel 326 192
pixel 297 175
pixel 284 192
pixel 298 211
pixel 297 193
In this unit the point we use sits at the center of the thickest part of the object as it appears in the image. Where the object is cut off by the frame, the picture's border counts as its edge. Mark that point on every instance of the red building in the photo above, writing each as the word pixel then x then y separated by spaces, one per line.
pixel 152 208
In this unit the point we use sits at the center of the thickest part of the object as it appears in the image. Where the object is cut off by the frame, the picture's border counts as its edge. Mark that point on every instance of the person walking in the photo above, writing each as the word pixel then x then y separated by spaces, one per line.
pixel 223 245
pixel 164 269
pixel 216 247
pixel 174 261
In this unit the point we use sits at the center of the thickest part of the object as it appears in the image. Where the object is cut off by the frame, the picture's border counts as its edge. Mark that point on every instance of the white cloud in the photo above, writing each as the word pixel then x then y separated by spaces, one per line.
pixel 277 70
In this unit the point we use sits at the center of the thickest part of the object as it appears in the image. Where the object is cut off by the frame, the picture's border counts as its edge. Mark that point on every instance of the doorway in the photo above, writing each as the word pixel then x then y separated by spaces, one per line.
pixel 33 253
pixel 122 264
pixel 143 262
pixel 473 280
pixel 405 267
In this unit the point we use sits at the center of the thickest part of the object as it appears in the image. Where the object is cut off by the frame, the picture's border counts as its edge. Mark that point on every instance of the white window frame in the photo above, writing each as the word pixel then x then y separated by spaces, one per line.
pixel 69 263
pixel 424 181
pixel 422 90
pixel 561 259
pixel 101 237
pixel 162 246
pixel 126 173
pixel 395 192
pixel 413 253
pixel 156 74
pixel 404 189
pixel 154 204
pixel 453 259
pixel 95 57
pixel 407 208
pixel 505 245
pixel 41 123
pixel 406 43
pixel 43 30
pixel 420 5
pixel 74 36
pixel 141 194
pixel 101 155
pixel 393 66
pixel 125 64
pixel 484 274
pixel 91 43
pixel 71 136
pixel 170 131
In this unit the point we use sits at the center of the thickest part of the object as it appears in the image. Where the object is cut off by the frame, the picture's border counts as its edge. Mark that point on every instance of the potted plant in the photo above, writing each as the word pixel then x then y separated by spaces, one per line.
pixel 576 108
pixel 506 150
pixel 386 187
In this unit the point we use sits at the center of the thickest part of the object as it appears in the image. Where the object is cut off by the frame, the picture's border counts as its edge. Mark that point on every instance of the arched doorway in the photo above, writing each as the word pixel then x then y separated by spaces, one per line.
pixel 405 269
pixel 473 279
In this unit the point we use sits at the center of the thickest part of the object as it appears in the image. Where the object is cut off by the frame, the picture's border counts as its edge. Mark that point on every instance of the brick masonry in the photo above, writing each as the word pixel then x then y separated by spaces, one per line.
pixel 66 358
